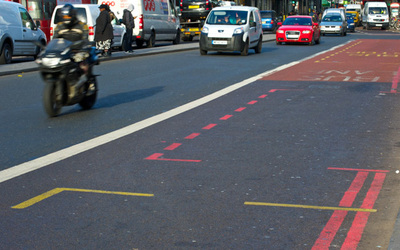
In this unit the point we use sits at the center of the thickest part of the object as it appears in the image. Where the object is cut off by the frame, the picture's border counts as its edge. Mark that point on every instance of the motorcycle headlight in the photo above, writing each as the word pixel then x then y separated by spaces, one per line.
pixel 50 62
pixel 238 30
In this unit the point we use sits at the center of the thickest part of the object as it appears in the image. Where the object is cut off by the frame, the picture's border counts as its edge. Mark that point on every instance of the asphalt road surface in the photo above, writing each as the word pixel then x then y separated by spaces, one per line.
pixel 294 148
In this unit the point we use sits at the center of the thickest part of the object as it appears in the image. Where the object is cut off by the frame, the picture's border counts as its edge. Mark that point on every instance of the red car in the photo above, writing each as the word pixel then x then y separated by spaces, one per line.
pixel 298 29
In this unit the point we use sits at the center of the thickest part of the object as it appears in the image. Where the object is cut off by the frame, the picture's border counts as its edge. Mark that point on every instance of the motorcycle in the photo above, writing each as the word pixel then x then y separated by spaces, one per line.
pixel 68 75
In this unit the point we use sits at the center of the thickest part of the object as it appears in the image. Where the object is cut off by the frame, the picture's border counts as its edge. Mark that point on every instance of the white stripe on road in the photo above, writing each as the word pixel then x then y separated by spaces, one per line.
pixel 46 160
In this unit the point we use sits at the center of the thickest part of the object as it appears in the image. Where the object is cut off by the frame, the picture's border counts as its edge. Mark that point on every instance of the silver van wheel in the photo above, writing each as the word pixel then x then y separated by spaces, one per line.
pixel 5 54
pixel 245 50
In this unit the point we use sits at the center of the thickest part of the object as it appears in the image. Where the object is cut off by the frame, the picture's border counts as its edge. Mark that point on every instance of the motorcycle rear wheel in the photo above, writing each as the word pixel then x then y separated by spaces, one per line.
pixel 88 101
pixel 51 106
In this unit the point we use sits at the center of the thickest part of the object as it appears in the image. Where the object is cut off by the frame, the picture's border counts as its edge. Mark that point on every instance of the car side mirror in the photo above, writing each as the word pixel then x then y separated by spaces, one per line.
pixel 37 24
pixel 316 24
pixel 279 23
pixel 253 24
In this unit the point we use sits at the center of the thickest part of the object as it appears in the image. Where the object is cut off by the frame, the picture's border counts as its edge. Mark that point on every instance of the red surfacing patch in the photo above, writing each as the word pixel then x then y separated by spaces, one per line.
pixel 359 61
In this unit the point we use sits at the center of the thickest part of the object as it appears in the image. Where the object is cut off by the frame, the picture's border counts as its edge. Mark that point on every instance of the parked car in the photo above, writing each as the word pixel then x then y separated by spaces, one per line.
pixel 17 32
pixel 269 20
pixel 333 24
pixel 351 26
pixel 195 10
pixel 298 29
pixel 88 14
pixel 236 28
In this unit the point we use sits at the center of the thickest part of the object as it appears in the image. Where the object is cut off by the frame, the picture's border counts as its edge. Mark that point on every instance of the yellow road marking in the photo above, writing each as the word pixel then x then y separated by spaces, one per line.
pixel 55 191
pixel 311 207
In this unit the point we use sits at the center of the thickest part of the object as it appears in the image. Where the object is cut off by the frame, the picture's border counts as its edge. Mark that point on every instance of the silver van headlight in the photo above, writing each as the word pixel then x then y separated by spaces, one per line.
pixel 238 30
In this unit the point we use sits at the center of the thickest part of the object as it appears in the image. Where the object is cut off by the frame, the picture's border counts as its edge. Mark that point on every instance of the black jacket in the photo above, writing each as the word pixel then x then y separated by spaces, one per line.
pixel 104 29
pixel 75 31
pixel 128 19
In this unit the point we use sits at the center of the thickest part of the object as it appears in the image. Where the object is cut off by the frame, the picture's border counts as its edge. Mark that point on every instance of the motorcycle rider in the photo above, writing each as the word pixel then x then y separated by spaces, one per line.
pixel 70 28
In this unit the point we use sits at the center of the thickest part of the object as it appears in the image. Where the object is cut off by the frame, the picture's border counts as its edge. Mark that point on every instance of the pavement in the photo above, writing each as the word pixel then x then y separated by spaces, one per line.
pixel 29 66
pixel 166 47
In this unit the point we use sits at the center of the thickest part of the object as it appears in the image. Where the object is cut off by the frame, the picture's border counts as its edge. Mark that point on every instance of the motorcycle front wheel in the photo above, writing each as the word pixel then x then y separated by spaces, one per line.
pixel 51 106
pixel 89 100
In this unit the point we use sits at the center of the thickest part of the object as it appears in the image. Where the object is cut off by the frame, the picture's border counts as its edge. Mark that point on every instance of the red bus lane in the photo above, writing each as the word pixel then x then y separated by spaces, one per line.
pixel 360 61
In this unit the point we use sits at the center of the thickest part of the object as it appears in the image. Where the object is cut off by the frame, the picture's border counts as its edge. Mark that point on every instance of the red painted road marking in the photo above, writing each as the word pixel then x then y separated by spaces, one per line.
pixel 351 193
pixel 225 117
pixel 355 169
pixel 156 157
pixel 274 90
pixel 361 219
pixel 210 126
pixel 262 96
pixel 192 136
pixel 395 83
pixel 252 102
pixel 173 146
pixel 240 109
pixel 336 220
pixel 330 230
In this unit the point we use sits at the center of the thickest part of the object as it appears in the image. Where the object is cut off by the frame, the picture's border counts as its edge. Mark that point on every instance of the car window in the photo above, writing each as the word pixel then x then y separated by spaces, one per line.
pixel 266 14
pixel 227 17
pixel 298 21
pixel 335 18
pixel 80 13
pixel 377 10
pixel 26 18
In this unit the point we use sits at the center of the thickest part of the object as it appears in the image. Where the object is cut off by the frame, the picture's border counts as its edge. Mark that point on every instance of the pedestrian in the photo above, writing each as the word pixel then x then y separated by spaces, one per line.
pixel 104 31
pixel 129 21
pixel 112 16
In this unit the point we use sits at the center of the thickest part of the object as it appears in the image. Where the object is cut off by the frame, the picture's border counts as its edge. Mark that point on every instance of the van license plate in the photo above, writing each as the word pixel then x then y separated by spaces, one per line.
pixel 194 6
pixel 219 42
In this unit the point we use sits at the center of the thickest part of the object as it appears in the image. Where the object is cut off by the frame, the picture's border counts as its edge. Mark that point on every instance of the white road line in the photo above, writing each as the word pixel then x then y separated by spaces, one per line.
pixel 60 155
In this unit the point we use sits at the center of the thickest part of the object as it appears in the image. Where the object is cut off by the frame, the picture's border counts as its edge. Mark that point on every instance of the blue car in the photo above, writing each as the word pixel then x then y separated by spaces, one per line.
pixel 351 26
pixel 269 20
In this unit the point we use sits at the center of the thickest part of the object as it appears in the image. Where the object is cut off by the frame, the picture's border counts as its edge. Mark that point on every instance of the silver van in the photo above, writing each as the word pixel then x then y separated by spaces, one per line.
pixel 18 32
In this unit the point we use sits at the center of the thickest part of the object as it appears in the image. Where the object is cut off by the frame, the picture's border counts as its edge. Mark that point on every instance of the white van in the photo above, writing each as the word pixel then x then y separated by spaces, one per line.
pixel 88 14
pixel 156 20
pixel 17 31
pixel 236 28
pixel 375 14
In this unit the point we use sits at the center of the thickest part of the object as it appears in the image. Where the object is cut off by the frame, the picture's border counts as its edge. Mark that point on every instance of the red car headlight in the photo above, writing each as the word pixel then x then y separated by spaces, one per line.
pixel 306 31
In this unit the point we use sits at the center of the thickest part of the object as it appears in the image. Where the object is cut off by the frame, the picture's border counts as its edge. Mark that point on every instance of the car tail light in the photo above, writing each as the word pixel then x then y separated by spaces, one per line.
pixel 272 21
pixel 51 31
pixel 91 31
pixel 141 22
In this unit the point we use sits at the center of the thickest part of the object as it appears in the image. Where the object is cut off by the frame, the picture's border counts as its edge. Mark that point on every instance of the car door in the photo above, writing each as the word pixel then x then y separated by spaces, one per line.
pixel 29 34
pixel 253 34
